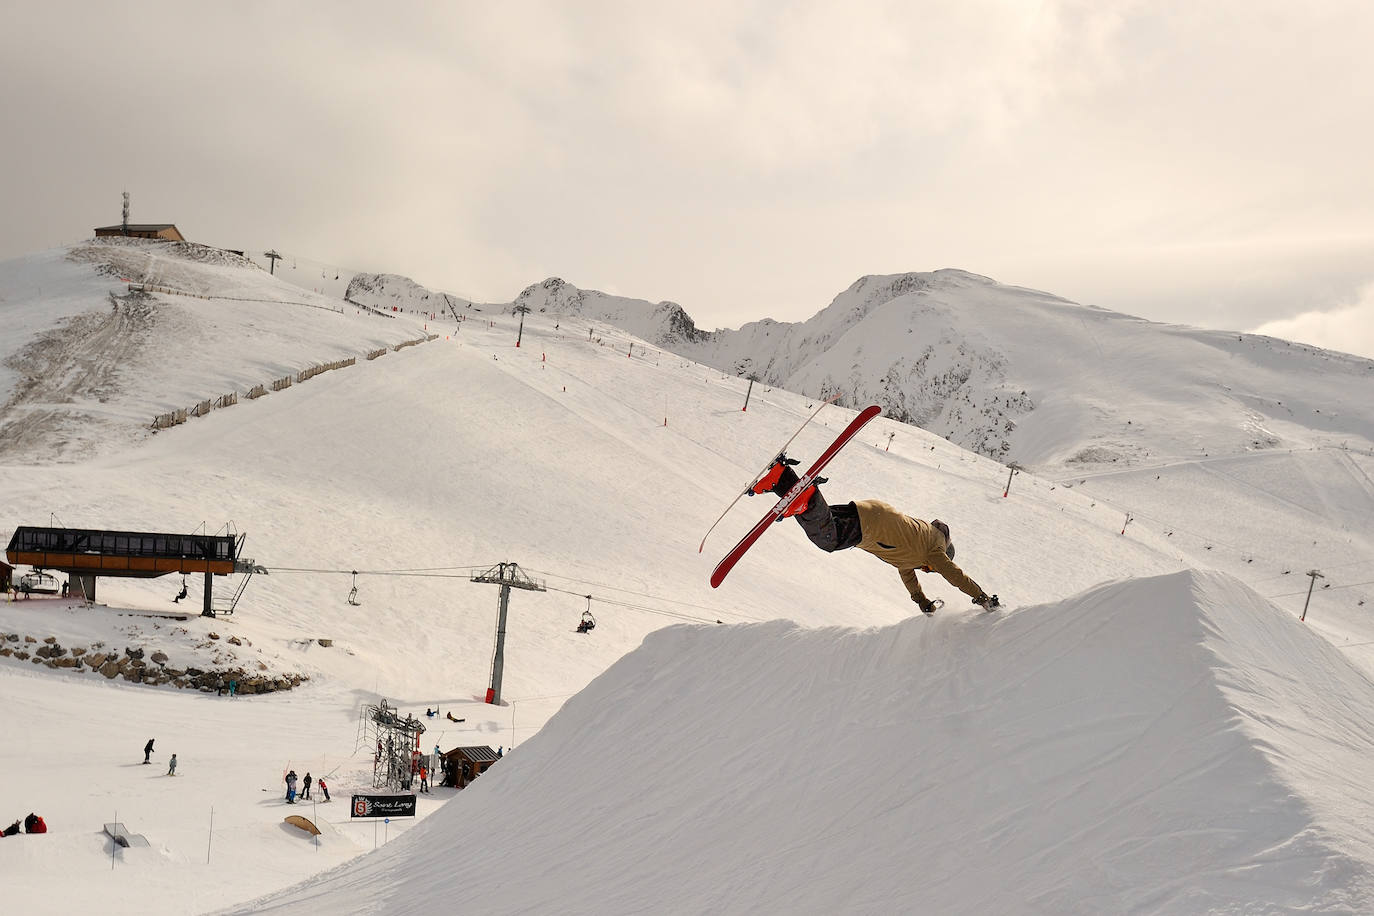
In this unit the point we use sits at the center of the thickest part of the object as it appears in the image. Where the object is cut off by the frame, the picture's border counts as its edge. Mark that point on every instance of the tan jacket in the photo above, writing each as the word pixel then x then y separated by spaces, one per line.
pixel 908 544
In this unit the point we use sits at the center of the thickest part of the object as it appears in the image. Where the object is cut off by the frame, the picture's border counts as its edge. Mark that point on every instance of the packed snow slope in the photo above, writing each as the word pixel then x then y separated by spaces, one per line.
pixel 1173 744
pixel 595 460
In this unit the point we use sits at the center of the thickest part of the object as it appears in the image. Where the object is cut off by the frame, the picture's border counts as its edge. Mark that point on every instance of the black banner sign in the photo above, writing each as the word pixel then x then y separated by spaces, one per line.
pixel 383 806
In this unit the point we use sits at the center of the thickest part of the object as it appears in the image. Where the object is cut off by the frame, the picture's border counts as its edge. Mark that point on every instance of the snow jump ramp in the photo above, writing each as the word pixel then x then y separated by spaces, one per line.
pixel 1175 744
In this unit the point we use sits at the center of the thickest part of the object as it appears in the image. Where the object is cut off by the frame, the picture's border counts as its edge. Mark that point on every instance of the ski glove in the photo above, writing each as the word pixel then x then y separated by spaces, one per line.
pixel 927 606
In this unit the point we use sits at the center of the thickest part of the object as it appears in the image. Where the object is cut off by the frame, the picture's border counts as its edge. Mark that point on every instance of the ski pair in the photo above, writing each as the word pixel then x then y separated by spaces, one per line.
pixel 759 476
pixel 803 482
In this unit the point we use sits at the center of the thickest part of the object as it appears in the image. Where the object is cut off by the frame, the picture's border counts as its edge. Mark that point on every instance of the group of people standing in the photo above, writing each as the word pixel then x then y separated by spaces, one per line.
pixel 304 795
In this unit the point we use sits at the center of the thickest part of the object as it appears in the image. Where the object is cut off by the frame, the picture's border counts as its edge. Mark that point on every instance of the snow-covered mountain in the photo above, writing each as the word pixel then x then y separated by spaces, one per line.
pixel 663 323
pixel 1149 725
pixel 1023 376
pixel 394 293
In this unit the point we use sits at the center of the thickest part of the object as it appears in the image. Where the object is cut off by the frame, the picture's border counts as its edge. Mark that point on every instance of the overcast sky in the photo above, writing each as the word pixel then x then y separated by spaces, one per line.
pixel 1201 162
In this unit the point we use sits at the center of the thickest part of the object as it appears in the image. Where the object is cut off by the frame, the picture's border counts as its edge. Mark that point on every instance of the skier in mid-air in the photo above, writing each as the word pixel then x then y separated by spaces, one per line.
pixel 899 540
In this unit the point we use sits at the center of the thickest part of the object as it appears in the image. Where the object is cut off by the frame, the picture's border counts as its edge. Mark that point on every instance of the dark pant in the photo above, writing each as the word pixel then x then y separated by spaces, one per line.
pixel 830 528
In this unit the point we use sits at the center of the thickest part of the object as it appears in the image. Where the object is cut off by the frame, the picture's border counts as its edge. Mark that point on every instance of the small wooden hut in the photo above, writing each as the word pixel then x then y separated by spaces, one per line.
pixel 464 764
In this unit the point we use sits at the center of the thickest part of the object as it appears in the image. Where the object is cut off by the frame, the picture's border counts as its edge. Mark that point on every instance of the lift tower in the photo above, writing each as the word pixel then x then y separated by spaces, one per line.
pixel 508 576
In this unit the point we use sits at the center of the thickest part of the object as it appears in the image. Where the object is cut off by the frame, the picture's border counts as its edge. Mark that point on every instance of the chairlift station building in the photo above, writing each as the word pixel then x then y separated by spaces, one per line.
pixel 85 555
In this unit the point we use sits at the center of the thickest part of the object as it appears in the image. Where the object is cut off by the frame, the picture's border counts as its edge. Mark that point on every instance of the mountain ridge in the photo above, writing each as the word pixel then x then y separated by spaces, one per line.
pixel 998 368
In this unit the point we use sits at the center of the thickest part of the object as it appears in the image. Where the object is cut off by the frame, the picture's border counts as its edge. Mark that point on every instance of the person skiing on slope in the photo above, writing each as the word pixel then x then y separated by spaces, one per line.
pixel 899 540
pixel 148 751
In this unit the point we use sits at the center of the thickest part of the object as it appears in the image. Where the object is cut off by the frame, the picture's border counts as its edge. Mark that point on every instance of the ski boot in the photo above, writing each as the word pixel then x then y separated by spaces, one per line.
pixel 779 479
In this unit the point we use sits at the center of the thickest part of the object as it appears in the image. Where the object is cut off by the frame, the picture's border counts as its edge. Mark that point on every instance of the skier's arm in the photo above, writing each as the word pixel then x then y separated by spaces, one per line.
pixel 954 575
pixel 912 586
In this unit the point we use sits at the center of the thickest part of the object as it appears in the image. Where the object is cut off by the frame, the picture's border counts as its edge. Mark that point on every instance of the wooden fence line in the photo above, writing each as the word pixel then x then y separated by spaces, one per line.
pixel 177 417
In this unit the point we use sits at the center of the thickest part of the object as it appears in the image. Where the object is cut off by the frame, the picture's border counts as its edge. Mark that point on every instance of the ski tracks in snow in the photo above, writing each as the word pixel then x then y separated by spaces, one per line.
pixel 68 366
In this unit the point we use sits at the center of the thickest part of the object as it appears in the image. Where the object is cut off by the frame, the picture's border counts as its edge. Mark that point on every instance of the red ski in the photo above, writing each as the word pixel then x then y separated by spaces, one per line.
pixel 776 513
pixel 759 476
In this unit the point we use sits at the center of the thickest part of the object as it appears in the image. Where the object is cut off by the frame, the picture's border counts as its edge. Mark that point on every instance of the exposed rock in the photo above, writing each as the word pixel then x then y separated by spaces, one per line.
pixel 173 672
pixel 213 635
pixel 67 662
pixel 133 653
pixel 235 641
pixel 160 657
pixel 21 655
pixel 57 651
pixel 325 642
pixel 43 651
pixel 79 651
pixel 7 651
pixel 110 669
pixel 50 640
pixel 97 659
pixel 29 639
